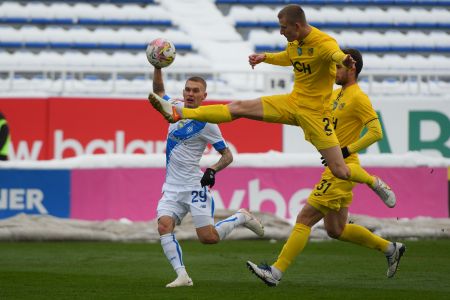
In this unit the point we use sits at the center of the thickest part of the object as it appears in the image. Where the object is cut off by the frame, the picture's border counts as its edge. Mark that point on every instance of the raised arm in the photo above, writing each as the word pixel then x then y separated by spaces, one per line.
pixel 158 83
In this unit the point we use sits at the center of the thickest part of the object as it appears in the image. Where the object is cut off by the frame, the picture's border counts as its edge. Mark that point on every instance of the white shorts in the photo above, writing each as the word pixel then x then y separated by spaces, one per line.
pixel 177 204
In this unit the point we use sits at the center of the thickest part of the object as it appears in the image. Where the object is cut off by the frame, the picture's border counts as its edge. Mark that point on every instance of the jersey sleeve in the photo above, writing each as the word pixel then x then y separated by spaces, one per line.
pixel 279 59
pixel 364 109
pixel 331 52
pixel 369 118
pixel 214 137
pixel 373 134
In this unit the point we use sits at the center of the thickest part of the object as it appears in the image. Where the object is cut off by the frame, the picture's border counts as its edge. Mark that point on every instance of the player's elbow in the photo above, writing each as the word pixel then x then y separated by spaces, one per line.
pixel 379 136
pixel 230 158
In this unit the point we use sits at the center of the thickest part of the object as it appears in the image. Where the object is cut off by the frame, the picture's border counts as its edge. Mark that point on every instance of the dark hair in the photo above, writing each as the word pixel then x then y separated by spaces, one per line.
pixel 293 13
pixel 198 79
pixel 356 55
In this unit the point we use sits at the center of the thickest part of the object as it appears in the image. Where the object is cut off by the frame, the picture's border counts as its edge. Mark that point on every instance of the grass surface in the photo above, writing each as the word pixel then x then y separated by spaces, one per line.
pixel 325 270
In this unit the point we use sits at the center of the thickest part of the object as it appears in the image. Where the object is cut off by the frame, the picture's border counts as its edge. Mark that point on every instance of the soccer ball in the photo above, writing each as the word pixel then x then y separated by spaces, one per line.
pixel 160 53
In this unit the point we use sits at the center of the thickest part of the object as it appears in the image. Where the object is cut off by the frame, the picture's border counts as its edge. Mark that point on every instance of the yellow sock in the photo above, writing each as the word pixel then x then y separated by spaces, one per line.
pixel 358 174
pixel 293 246
pixel 359 235
pixel 218 113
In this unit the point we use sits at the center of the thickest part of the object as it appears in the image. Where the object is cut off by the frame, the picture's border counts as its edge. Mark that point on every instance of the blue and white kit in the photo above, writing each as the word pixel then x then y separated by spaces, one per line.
pixel 182 192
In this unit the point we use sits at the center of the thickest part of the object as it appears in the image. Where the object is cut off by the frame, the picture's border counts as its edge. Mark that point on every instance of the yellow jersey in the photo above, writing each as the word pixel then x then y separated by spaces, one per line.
pixel 351 110
pixel 314 60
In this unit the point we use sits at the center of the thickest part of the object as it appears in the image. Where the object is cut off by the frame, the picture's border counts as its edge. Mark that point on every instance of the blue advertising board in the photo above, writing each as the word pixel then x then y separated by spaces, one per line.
pixel 42 192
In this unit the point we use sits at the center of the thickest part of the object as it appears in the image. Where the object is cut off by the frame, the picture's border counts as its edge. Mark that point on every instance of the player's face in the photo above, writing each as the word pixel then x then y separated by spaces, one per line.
pixel 194 93
pixel 342 74
pixel 288 29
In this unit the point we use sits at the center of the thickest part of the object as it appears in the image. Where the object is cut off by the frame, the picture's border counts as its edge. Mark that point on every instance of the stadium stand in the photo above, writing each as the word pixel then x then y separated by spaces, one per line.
pixel 406 43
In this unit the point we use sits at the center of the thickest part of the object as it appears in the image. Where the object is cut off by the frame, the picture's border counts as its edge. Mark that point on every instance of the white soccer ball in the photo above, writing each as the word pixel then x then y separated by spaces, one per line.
pixel 160 53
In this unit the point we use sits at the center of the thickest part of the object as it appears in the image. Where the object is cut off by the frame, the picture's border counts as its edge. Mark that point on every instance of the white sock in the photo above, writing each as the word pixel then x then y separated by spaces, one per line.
pixel 181 271
pixel 277 274
pixel 390 249
pixel 225 227
pixel 173 252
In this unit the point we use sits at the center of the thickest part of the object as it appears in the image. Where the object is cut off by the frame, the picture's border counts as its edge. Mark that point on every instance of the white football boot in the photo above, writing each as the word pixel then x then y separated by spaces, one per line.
pixel 252 223
pixel 263 272
pixel 182 280
pixel 165 108
pixel 393 260
pixel 384 192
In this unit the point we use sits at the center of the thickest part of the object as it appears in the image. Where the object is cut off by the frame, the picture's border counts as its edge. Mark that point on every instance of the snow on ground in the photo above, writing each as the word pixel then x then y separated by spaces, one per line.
pixel 269 159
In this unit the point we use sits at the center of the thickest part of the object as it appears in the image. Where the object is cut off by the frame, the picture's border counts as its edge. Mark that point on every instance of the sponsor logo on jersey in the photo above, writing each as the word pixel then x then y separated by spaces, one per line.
pixel 302 67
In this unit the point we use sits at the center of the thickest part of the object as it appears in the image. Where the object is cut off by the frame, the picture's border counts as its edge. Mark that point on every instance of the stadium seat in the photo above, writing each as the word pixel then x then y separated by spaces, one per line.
pixel 58 38
pixel 63 13
pixel 50 59
pixel 440 40
pixel 439 62
pixel 33 37
pixel 86 14
pixel 10 37
pixel 13 12
pixel 395 36
pixel 107 38
pixel 75 59
pixel 126 60
pixel 242 14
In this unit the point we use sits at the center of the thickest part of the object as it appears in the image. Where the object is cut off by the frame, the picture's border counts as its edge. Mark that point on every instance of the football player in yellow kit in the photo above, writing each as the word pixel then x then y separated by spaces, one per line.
pixel 313 55
pixel 331 197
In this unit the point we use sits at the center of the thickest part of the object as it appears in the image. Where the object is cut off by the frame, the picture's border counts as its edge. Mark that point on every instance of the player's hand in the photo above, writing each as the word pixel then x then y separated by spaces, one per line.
pixel 255 59
pixel 345 154
pixel 209 178
pixel 349 62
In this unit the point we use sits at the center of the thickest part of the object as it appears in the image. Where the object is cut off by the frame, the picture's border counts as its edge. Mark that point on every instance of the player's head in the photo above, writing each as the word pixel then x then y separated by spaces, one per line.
pixel 291 19
pixel 344 75
pixel 194 92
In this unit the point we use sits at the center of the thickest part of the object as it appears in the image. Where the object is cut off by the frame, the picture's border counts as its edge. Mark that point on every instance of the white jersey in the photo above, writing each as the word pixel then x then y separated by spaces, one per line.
pixel 186 141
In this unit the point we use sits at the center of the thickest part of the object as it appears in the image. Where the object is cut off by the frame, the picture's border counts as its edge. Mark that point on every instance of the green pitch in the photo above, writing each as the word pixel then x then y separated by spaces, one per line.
pixel 325 270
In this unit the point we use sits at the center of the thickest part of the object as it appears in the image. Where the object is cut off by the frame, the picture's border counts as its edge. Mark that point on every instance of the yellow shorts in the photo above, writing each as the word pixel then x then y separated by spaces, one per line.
pixel 331 193
pixel 317 125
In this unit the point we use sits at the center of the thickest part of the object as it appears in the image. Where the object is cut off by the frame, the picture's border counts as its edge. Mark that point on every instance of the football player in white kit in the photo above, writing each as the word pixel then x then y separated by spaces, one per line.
pixel 186 187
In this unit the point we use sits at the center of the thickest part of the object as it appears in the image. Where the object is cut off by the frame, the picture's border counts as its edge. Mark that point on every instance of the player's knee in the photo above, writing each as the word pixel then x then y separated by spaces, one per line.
pixel 334 233
pixel 164 227
pixel 209 239
pixel 340 172
pixel 237 108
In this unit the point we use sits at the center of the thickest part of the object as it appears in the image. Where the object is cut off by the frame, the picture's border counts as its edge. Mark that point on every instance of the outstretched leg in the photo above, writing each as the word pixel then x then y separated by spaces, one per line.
pixel 241 217
pixel 219 113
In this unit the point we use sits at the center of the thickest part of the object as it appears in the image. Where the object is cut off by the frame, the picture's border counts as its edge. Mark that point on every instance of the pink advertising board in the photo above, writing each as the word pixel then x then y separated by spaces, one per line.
pixel 100 194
